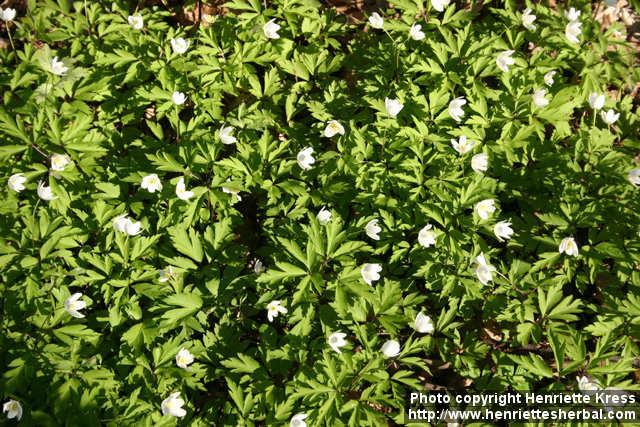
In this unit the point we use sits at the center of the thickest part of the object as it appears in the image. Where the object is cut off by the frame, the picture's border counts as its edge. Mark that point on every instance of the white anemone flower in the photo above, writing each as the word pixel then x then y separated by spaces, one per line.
pixel 59 162
pixel 462 145
pixel 184 358
pixel 393 107
pixel 548 77
pixel 485 208
pixel 270 29
pixel 572 14
pixel 16 182
pixel 274 308
pixel 337 340
pixel 539 98
pixel 181 190
pixel 586 384
pixel 504 60
pixel 376 21
pixel 166 274
pixel 74 304
pixel 423 324
pixel 136 21
pixel 416 33
pixel 45 193
pixel 609 116
pixel 179 45
pixel 124 224
pixel 305 158
pixel 572 31
pixel 439 5
pixel 13 408
pixel 484 270
pixel 427 236
pixel 455 108
pixel 333 128
pixel 172 405
pixel 371 273
pixel 151 183
pixel 634 177
pixel 503 230
pixel 390 348
pixel 373 229
pixel 480 162
pixel 298 420
pixel 178 98
pixel 324 216
pixel 596 100
pixel 58 68
pixel 528 19
pixel 568 246
pixel 226 135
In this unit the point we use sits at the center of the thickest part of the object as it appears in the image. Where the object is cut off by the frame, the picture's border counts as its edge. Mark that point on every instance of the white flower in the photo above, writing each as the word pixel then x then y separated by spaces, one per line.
pixel 226 135
pixel 178 98
pixel 504 60
pixel 415 32
pixel 270 29
pixel 596 100
pixel 572 31
pixel 484 271
pixel 13 409
pixel 503 230
pixel 539 99
pixel 324 216
pixel 333 127
pixel 258 266
pixel 427 236
pixel 548 78
pixel 57 67
pixel 59 162
pixel 572 14
pixel 45 193
pixel 423 324
pixel 634 177
pixel 336 340
pixel 274 308
pixel 480 162
pixel 527 19
pixel 439 5
pixel 390 348
pixel 151 183
pixel 184 358
pixel 16 182
pixel 7 15
pixel 298 420
pixel 74 304
pixel 485 208
pixel 179 45
pixel 172 405
pixel 376 21
pixel 166 275
pixel 455 108
pixel 371 273
pixel 462 145
pixel 585 384
pixel 610 116
pixel 124 224
pixel 568 246
pixel 373 229
pixel 305 158
pixel 181 190
pixel 393 106
pixel 136 21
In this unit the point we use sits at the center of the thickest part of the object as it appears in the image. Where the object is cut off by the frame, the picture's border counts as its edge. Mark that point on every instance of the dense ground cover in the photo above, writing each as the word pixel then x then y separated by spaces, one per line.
pixel 276 212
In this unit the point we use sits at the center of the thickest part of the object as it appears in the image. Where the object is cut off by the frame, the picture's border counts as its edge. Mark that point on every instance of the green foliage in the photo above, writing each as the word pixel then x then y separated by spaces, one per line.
pixel 201 273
